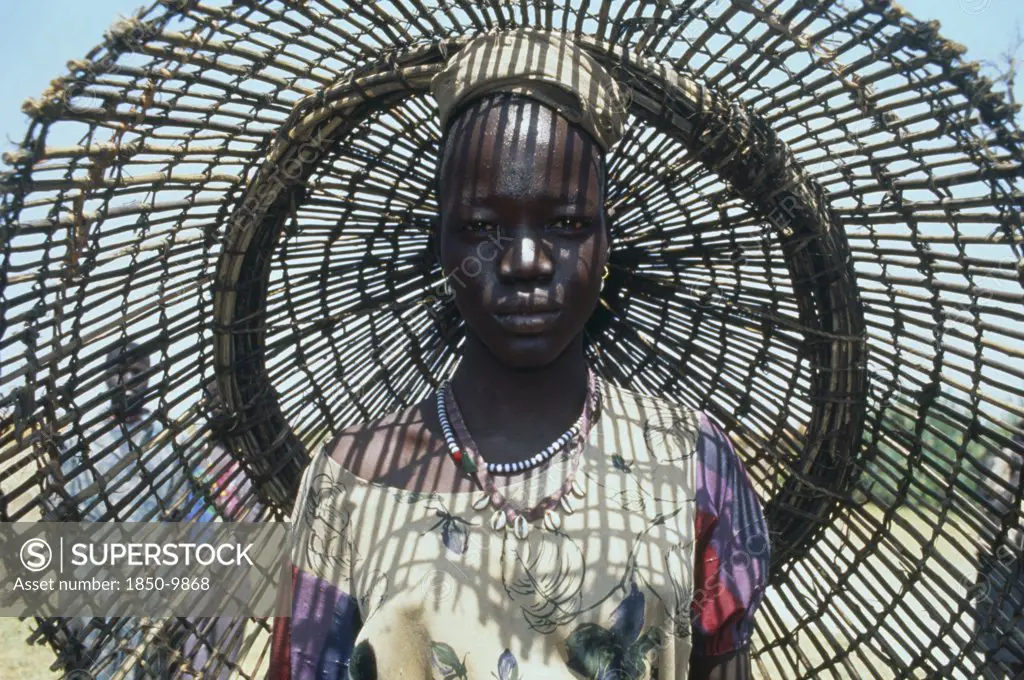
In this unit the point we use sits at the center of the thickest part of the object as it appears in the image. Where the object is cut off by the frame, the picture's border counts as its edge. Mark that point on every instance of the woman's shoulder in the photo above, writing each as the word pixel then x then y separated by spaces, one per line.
pixel 365 465
pixel 663 409
pixel 661 416
pixel 388 449
pixel 666 429
pixel 653 412
pixel 368 449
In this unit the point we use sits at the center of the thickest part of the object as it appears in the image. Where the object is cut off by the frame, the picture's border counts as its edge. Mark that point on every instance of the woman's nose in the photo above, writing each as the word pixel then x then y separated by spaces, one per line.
pixel 527 257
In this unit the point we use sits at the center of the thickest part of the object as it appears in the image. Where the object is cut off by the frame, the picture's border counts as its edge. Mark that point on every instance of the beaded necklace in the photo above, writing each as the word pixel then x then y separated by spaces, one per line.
pixel 507 515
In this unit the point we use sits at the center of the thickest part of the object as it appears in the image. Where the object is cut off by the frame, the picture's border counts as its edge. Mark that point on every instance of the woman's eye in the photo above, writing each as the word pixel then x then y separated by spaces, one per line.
pixel 571 224
pixel 479 225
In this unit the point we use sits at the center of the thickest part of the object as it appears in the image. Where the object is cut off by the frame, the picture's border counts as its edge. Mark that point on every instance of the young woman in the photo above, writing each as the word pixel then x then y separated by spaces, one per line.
pixel 529 519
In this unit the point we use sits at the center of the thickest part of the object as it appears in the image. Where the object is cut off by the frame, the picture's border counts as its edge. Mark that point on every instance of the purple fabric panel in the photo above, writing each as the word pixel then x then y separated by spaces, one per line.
pixel 325 622
pixel 732 549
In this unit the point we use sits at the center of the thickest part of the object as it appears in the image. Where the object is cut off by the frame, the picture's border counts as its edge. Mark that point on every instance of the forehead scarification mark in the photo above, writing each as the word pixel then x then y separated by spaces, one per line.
pixel 517 142
pixel 504 114
pixel 533 148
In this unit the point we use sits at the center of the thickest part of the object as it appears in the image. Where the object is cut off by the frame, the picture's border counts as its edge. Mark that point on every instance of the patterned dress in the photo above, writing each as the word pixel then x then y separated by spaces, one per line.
pixel 665 555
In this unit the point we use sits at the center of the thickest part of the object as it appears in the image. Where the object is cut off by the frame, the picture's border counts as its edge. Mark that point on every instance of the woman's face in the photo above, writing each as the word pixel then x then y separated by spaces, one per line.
pixel 523 235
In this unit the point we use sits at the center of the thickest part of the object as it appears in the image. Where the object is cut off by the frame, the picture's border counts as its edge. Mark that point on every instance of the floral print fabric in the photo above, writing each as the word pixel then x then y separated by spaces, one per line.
pixel 665 555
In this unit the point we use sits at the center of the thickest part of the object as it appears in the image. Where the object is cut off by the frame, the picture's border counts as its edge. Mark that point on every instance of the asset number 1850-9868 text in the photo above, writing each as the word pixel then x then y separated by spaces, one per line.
pixel 174 583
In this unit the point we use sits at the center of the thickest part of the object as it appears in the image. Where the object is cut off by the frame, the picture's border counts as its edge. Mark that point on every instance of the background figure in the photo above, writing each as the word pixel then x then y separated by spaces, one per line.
pixel 117 478
pixel 110 476
pixel 1000 585
pixel 221 489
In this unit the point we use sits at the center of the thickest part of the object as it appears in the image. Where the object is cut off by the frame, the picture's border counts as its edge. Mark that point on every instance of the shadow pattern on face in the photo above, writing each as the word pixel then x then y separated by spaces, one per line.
pixel 523 233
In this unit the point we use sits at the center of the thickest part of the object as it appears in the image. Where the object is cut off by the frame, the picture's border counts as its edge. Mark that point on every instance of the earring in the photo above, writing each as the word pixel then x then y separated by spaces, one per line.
pixel 440 308
pixel 446 290
pixel 603 277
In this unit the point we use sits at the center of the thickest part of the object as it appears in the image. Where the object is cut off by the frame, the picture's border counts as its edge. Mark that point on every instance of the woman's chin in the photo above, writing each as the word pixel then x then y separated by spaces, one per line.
pixel 527 351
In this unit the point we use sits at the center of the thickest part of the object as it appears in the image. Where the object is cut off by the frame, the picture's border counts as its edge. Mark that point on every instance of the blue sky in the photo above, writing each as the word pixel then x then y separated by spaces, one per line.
pixel 38 38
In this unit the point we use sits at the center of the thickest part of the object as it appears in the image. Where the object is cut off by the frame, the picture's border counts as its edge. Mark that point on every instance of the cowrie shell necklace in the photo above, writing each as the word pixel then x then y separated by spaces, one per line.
pixel 507 516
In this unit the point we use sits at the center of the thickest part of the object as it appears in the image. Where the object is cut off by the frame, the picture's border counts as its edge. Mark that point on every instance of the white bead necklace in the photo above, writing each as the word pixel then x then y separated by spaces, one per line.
pixel 501 468
pixel 506 515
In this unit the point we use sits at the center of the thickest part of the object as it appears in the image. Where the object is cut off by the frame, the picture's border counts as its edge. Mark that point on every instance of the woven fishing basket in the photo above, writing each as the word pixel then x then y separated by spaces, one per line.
pixel 817 240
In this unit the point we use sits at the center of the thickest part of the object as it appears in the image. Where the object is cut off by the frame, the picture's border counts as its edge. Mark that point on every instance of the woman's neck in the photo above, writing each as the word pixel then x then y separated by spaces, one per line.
pixel 513 413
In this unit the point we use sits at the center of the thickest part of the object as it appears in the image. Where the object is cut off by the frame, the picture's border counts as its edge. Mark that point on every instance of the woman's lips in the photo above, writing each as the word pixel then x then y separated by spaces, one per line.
pixel 527 323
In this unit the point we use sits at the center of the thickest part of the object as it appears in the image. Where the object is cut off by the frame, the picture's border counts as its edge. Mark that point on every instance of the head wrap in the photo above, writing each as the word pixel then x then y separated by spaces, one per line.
pixel 543 65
